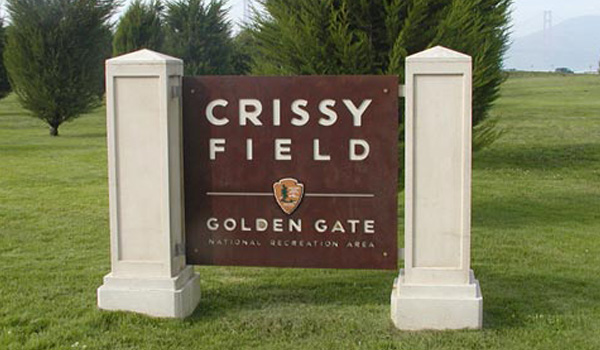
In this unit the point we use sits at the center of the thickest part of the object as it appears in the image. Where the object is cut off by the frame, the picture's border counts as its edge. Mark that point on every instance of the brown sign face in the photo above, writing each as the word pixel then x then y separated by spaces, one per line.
pixel 291 171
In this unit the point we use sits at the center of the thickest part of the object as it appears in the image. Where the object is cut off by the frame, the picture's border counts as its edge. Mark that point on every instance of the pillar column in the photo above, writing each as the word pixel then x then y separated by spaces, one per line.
pixel 437 289
pixel 149 274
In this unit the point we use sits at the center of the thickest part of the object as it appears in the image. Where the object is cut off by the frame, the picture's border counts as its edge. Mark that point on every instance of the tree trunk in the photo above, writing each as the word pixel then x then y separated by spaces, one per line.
pixel 53 130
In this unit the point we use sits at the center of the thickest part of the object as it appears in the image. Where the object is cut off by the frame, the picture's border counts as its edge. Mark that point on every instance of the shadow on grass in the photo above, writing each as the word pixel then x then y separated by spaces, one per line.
pixel 512 301
pixel 15 112
pixel 538 158
pixel 84 136
pixel 535 209
pixel 284 287
pixel 43 147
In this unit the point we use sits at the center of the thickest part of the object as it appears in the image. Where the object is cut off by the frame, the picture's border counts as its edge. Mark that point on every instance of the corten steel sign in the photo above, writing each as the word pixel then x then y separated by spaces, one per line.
pixel 291 171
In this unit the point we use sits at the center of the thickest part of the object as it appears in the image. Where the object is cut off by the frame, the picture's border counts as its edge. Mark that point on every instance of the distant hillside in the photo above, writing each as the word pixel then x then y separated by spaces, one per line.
pixel 574 43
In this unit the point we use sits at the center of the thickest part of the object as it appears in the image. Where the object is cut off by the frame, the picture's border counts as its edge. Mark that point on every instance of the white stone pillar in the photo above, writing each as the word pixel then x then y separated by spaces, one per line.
pixel 437 288
pixel 143 105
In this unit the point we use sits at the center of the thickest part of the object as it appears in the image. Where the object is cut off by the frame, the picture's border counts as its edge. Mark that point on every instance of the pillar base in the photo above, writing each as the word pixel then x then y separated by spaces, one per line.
pixel 159 297
pixel 443 307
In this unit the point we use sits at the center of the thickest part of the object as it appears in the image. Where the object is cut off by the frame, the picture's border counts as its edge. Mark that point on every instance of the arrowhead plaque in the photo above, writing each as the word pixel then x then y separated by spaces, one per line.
pixel 288 194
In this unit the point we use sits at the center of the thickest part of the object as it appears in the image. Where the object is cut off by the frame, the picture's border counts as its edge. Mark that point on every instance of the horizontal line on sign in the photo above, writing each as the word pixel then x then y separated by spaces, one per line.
pixel 345 195
pixel 238 194
pixel 266 194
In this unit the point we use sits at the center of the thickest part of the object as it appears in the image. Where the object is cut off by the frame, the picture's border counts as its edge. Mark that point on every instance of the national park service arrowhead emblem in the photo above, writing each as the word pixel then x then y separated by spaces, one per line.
pixel 288 194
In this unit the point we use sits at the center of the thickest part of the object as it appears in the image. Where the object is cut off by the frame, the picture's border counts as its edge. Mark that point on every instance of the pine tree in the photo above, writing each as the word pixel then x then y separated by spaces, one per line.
pixel 375 37
pixel 140 27
pixel 55 54
pixel 199 33
pixel 4 84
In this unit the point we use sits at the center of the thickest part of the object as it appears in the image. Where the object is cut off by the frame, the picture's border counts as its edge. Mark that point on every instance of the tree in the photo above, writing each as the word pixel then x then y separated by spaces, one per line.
pixel 243 46
pixel 199 33
pixel 4 84
pixel 284 194
pixel 140 27
pixel 55 55
pixel 376 36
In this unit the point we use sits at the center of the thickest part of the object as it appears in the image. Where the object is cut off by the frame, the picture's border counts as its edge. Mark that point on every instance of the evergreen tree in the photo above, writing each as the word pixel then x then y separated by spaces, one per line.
pixel 4 84
pixel 376 36
pixel 140 27
pixel 199 33
pixel 243 47
pixel 55 54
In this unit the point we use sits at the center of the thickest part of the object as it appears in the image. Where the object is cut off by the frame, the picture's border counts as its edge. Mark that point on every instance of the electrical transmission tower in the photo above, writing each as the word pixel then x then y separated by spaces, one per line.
pixel 548 40
pixel 548 27
pixel 247 10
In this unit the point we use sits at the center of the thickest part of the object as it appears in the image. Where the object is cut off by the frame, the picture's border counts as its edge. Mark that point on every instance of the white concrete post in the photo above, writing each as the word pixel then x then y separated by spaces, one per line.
pixel 437 288
pixel 143 105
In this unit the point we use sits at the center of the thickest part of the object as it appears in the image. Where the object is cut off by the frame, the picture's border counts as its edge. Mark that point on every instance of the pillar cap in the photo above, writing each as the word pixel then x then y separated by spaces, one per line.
pixel 439 53
pixel 144 57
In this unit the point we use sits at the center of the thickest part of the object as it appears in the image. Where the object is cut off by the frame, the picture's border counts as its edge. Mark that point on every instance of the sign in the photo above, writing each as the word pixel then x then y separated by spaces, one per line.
pixel 291 171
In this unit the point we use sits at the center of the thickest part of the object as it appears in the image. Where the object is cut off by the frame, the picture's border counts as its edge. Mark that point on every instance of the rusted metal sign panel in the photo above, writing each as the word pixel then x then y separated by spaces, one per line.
pixel 291 171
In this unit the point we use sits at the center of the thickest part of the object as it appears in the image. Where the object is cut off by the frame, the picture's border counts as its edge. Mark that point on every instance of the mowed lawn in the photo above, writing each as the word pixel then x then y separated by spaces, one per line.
pixel 536 247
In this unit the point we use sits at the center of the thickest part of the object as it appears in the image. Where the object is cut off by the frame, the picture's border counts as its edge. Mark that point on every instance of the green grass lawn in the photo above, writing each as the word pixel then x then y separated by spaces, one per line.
pixel 536 247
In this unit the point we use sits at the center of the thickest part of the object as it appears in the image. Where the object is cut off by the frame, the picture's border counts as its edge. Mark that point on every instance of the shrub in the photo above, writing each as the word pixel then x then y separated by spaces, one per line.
pixel 4 84
pixel 140 27
pixel 199 33
pixel 376 36
pixel 55 55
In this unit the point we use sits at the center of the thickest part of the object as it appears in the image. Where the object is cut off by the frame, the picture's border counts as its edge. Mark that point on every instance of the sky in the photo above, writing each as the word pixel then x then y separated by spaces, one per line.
pixel 528 15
